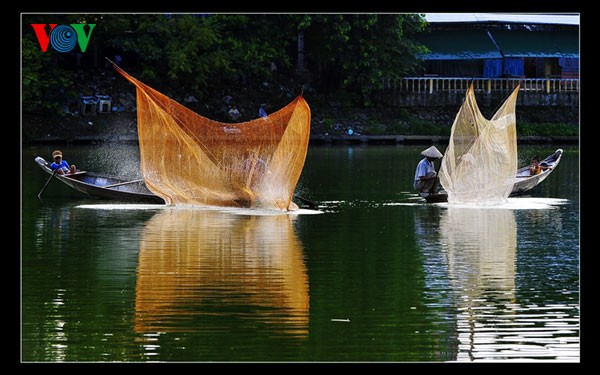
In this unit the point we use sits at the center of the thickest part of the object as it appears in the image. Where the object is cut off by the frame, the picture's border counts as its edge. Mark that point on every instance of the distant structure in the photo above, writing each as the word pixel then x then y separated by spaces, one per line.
pixel 490 45
pixel 495 52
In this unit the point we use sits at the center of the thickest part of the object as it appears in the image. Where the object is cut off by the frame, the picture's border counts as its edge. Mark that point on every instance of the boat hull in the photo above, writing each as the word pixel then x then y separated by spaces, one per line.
pixel 105 187
pixel 523 181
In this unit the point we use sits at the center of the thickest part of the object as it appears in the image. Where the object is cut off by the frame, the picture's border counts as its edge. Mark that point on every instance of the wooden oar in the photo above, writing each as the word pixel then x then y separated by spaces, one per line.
pixel 309 202
pixel 123 183
pixel 46 184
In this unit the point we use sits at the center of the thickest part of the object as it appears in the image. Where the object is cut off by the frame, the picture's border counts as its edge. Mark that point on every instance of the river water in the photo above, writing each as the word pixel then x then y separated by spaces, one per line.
pixel 373 275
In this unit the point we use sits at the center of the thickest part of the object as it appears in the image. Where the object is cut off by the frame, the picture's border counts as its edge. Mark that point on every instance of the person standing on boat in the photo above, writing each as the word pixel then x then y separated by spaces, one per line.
pixel 61 166
pixel 426 179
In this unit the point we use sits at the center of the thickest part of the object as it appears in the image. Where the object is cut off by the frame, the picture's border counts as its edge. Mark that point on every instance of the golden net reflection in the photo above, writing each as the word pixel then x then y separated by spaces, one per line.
pixel 480 162
pixel 195 264
pixel 189 159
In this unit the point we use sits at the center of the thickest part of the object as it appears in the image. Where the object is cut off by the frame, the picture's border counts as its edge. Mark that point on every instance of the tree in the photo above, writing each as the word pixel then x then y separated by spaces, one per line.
pixel 210 55
pixel 360 51
pixel 175 52
pixel 257 44
pixel 43 77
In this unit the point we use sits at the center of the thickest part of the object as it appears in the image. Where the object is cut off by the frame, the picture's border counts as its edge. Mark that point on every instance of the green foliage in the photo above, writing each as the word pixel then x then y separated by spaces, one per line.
pixel 410 126
pixel 547 129
pixel 328 124
pixel 202 54
pixel 44 79
pixel 205 54
pixel 376 128
pixel 254 42
pixel 362 51
pixel 347 57
pixel 182 49
pixel 421 127
pixel 399 127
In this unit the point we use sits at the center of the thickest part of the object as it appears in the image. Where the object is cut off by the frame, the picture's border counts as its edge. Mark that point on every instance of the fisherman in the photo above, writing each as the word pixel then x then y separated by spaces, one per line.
pixel 59 165
pixel 234 113
pixel 426 179
pixel 262 113
pixel 536 167
pixel 254 166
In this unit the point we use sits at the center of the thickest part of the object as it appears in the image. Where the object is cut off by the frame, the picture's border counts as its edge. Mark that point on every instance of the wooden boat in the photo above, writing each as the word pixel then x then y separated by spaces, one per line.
pixel 117 188
pixel 103 186
pixel 524 181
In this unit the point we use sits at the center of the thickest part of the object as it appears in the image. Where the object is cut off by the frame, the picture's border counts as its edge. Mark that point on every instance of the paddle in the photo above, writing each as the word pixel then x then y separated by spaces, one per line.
pixel 46 184
pixel 123 183
pixel 309 202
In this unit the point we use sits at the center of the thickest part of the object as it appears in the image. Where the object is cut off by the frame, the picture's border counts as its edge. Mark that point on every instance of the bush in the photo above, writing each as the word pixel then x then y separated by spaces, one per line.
pixel 547 129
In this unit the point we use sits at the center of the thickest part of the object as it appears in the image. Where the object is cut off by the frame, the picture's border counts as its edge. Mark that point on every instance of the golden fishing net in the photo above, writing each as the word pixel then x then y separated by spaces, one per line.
pixel 480 163
pixel 192 160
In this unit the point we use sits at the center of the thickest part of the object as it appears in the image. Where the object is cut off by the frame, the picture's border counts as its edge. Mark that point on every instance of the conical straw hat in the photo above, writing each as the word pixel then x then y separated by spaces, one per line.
pixel 432 152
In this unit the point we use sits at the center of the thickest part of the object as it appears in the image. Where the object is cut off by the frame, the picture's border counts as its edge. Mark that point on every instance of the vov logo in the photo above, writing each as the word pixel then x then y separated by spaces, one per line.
pixel 63 38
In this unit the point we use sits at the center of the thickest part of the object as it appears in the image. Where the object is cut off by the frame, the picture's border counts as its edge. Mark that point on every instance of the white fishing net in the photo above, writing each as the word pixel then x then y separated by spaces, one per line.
pixel 480 163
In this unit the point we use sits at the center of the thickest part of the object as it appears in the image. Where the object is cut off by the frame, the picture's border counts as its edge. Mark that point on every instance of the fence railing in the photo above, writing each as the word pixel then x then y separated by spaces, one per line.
pixel 435 84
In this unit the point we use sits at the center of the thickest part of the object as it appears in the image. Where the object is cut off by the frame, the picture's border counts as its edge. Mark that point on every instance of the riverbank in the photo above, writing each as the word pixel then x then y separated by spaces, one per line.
pixel 324 140
pixel 329 129
pixel 334 116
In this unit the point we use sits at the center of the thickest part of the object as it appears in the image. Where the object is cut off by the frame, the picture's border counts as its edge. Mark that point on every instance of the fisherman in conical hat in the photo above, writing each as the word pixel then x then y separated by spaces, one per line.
pixel 426 180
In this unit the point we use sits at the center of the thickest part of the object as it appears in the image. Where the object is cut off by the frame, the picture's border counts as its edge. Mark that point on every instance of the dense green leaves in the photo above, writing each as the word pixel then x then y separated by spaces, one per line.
pixel 362 51
pixel 43 78
pixel 205 54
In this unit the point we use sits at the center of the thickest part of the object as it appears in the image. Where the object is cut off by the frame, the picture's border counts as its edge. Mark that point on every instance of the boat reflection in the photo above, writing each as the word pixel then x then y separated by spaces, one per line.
pixel 228 269
pixel 480 245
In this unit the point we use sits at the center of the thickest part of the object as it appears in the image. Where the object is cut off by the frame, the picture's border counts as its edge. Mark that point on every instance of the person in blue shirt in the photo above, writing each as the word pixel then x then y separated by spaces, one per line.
pixel 234 114
pixel 262 113
pixel 426 179
pixel 61 166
